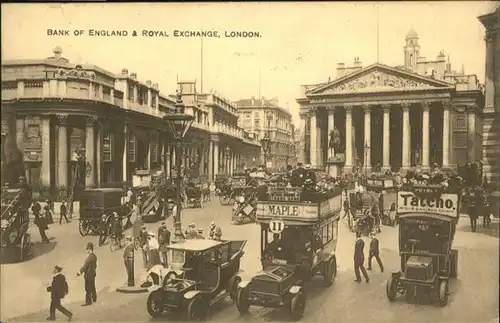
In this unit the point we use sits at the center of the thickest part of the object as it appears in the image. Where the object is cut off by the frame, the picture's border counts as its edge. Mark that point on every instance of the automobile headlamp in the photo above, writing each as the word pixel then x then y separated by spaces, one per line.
pixel 241 199
pixel 12 236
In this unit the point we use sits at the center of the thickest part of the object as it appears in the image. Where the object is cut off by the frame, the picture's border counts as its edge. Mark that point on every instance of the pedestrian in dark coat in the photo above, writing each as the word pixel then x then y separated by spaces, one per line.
pixel 36 209
pixel 89 270
pixel 48 214
pixel 359 259
pixel 64 212
pixel 143 237
pixel 164 241
pixel 58 290
pixel 41 223
pixel 374 252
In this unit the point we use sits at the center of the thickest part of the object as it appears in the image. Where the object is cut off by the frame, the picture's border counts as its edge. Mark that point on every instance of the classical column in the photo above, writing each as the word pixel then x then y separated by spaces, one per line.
pixel 319 145
pixel 45 174
pixel 446 134
pixel 425 136
pixel 368 161
pixel 125 152
pixel 331 127
pixel 348 138
pixel 98 164
pixel 201 166
pixel 89 150
pixel 313 146
pixel 489 82
pixel 62 156
pixel 168 155
pixel 471 134
pixel 211 161
pixel 216 158
pixel 386 154
pixel 302 129
pixel 406 136
pixel 20 132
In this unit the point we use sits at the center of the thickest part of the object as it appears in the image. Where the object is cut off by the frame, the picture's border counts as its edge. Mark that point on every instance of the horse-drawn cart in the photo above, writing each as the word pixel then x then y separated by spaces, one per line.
pixel 364 212
pixel 387 198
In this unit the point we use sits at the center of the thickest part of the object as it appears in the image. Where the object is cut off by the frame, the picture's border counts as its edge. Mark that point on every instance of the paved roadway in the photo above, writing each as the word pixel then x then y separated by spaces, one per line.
pixel 474 295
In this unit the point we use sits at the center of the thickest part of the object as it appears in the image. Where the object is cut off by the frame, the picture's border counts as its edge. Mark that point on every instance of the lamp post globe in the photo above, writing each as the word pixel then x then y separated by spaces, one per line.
pixel 178 124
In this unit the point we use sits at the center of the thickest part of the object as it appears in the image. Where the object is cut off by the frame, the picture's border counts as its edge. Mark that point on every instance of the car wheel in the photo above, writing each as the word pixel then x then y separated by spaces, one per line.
pixel 239 219
pixel 329 272
pixel 83 227
pixel 155 304
pixel 297 306
pixel 242 301
pixel 232 287
pixel 196 309
pixel 391 289
pixel 443 293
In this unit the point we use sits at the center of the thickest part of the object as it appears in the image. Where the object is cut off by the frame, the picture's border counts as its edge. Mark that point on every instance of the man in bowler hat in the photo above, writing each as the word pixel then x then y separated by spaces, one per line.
pixel 58 289
pixel 164 240
pixel 359 259
pixel 88 270
pixel 374 252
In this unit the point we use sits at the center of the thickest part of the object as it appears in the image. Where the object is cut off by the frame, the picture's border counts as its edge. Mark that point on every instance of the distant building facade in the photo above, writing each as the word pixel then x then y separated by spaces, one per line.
pixel 491 112
pixel 265 117
pixel 52 107
pixel 416 114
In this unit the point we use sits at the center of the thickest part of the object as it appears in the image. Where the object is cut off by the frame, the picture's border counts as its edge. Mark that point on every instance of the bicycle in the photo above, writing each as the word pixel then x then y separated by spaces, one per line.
pixel 116 243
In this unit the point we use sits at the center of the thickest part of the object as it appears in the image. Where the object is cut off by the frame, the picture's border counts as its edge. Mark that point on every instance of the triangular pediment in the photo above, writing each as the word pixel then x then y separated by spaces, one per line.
pixel 379 78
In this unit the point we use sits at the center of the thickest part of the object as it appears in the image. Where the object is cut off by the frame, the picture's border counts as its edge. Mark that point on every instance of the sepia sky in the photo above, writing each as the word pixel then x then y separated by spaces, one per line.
pixel 301 43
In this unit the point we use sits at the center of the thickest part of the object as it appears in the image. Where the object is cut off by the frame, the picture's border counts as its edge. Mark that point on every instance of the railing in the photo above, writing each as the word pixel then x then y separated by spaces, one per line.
pixel 86 90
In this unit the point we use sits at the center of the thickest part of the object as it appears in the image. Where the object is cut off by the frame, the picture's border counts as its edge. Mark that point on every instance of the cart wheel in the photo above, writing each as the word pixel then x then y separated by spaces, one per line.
pixel 454 263
pixel 232 287
pixel 391 289
pixel 113 244
pixel 329 272
pixel 26 249
pixel 297 306
pixel 83 227
pixel 242 302
pixel 443 293
pixel 223 199
pixel 196 309
pixel 155 303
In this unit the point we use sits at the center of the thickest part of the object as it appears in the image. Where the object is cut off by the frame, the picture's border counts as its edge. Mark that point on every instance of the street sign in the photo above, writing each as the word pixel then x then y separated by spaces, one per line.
pixel 276 226
pixel 442 204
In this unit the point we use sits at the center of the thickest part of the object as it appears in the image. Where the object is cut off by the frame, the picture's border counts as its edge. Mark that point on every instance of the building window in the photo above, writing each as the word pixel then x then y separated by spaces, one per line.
pixel 154 151
pixel 107 147
pixel 131 93
pixel 257 123
pixel 132 148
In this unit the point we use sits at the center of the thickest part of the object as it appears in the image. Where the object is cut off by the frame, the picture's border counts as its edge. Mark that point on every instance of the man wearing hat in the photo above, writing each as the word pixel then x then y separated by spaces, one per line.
pixel 164 241
pixel 374 252
pixel 143 238
pixel 359 259
pixel 128 259
pixel 191 232
pixel 309 173
pixel 88 270
pixel 215 231
pixel 58 289
pixel 298 176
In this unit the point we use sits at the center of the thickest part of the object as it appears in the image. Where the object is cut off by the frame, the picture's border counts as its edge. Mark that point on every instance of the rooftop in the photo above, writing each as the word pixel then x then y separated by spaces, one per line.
pixel 195 245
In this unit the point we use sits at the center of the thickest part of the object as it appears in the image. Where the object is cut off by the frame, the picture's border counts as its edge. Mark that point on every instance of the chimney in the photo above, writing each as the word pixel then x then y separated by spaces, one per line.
pixel 357 63
pixel 340 70
pixel 133 76
pixel 148 82
pixel 253 100
pixel 441 57
pixel 124 71
pixel 155 86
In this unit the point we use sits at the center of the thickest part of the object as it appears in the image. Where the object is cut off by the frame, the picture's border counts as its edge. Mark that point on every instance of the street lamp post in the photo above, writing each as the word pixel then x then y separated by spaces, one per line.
pixel 228 157
pixel 367 147
pixel 265 142
pixel 179 124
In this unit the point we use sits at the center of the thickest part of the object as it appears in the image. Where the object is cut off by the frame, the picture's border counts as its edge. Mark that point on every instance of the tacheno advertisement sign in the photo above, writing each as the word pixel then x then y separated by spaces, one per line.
pixel 442 204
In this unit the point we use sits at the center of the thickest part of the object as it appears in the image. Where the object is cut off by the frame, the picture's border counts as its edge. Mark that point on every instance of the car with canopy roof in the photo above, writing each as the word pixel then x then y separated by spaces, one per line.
pixel 201 273
pixel 299 231
pixel 15 239
pixel 428 217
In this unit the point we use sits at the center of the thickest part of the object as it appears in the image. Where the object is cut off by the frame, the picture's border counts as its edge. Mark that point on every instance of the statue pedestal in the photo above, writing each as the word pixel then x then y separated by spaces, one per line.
pixel 334 167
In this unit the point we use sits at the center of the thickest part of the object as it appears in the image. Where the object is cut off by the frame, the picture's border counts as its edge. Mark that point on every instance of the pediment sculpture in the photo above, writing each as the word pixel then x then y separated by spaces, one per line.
pixel 76 73
pixel 377 80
